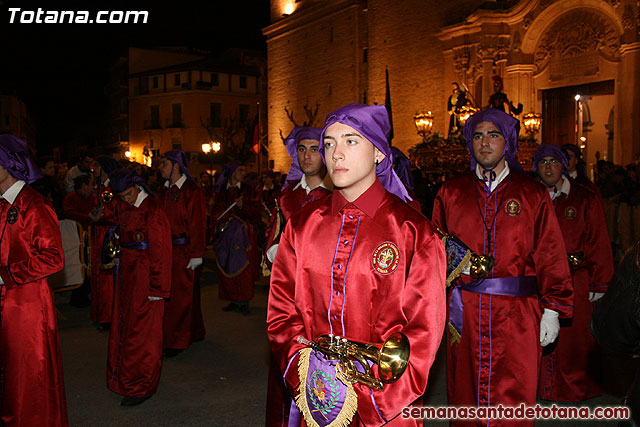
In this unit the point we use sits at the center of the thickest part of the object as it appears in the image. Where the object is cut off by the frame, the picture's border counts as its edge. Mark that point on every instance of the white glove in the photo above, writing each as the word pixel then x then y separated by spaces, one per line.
pixel 549 327
pixel 194 263
pixel 154 298
pixel 1 281
pixel 595 296
pixel 271 252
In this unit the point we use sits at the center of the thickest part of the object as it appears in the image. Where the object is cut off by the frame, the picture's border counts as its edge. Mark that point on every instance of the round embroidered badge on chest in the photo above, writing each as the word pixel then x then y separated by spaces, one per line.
pixel 138 236
pixel 12 215
pixel 570 212
pixel 512 207
pixel 385 258
pixel 176 197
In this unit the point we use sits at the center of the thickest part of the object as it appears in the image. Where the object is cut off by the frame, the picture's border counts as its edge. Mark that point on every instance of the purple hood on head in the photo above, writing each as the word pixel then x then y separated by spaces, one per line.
pixel 372 122
pixel 508 126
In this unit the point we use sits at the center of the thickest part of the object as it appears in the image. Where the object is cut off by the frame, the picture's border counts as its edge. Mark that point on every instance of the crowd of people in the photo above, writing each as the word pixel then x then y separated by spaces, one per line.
pixel 507 264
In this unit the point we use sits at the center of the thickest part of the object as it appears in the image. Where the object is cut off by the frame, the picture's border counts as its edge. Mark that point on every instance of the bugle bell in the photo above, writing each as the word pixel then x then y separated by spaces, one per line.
pixel 392 357
pixel 106 196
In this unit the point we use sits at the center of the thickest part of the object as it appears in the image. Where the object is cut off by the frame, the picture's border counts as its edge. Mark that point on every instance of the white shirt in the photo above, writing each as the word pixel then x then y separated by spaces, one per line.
pixel 565 188
pixel 13 191
pixel 303 184
pixel 141 196
pixel 178 183
pixel 499 178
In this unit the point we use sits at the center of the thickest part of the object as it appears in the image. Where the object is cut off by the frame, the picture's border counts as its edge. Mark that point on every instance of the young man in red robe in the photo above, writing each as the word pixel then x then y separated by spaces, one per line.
pixel 105 217
pixel 499 324
pixel 307 181
pixel 184 203
pixel 571 372
pixel 143 282
pixel 361 264
pixel 30 250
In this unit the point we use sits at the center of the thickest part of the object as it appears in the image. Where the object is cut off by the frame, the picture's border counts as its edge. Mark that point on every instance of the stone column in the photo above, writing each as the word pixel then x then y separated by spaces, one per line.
pixel 627 111
pixel 519 86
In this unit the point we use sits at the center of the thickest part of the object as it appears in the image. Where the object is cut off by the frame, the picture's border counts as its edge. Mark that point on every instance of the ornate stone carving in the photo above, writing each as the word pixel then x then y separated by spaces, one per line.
pixel 566 39
pixel 628 21
pixel 526 22
pixel 546 3
pixel 614 3
pixel 461 59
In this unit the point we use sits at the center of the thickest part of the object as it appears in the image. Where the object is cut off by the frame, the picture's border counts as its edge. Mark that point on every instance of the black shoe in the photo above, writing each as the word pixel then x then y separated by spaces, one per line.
pixel 171 352
pixel 244 309
pixel 133 401
pixel 231 307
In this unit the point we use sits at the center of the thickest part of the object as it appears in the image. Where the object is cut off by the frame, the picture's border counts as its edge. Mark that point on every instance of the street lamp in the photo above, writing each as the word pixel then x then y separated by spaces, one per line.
pixel 211 148
pixel 532 122
pixel 424 123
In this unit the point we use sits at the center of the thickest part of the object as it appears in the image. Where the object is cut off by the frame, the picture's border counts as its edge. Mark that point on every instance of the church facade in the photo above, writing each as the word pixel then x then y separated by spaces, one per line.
pixel 575 62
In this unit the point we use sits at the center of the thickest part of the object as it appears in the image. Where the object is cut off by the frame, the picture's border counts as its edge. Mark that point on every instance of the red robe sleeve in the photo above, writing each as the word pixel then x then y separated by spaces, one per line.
pixel 550 260
pixel 36 249
pixel 598 247
pixel 196 212
pixel 159 252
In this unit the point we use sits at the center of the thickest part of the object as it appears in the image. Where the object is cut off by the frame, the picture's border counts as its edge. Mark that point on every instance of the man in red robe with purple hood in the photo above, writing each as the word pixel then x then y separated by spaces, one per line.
pixel 307 181
pixel 143 281
pixel 499 324
pixel 571 372
pixel 183 201
pixel 361 264
pixel 30 250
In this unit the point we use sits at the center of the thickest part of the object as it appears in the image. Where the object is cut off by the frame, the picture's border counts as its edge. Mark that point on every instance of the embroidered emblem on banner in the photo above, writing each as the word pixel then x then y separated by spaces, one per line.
pixel 570 212
pixel 175 197
pixel 386 258
pixel 138 236
pixel 512 207
pixel 12 215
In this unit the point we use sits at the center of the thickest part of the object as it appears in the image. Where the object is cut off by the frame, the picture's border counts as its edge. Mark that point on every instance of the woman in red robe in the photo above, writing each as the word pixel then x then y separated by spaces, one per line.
pixel 30 250
pixel 143 281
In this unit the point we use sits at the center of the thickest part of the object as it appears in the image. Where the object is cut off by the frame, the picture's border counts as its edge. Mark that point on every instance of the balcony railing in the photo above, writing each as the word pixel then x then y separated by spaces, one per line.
pixel 152 124
pixel 170 123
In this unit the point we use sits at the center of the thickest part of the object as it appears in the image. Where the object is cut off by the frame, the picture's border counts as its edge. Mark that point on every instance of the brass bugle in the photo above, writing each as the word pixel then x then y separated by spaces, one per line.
pixel 480 265
pixel 575 259
pixel 106 196
pixel 392 357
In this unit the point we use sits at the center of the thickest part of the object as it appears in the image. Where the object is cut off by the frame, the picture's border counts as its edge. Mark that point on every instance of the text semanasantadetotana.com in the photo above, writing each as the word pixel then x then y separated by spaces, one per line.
pixel 40 16
pixel 521 412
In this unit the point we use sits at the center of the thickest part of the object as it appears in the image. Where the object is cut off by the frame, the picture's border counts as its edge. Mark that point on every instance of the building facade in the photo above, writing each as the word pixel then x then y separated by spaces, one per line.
pixel 546 51
pixel 182 100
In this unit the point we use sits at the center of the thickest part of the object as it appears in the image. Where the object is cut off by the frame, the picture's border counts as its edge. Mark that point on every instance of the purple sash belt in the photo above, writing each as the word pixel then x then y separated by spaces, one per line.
pixel 177 241
pixel 144 245
pixel 520 286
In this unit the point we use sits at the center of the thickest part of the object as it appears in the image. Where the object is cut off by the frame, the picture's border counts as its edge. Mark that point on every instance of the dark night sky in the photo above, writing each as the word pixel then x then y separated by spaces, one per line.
pixel 60 70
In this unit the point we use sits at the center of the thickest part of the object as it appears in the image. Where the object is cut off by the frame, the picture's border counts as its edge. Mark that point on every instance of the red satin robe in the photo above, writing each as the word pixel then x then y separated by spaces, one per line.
pixel 326 278
pixel 185 208
pixel 31 366
pixel 238 287
pixel 292 200
pixel 102 279
pixel 77 208
pixel 498 357
pixel 278 398
pixel 135 340
pixel 571 372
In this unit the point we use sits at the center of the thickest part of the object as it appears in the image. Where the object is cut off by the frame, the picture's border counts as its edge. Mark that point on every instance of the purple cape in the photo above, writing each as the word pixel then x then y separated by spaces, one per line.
pixel 291 142
pixel 508 126
pixel 372 122
pixel 15 158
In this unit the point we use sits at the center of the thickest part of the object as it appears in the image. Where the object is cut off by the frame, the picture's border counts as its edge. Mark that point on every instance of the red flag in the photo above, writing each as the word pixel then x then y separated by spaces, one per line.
pixel 255 145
